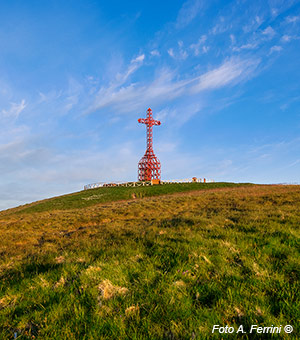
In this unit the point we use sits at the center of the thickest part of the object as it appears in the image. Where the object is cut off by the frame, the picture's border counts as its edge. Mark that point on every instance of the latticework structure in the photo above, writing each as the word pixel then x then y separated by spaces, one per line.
pixel 149 165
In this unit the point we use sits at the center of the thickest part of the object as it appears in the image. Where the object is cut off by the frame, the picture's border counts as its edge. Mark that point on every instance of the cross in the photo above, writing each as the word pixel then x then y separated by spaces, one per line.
pixel 149 122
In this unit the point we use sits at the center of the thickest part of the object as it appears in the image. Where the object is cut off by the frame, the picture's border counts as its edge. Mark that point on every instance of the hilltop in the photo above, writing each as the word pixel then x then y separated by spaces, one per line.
pixel 86 198
pixel 161 262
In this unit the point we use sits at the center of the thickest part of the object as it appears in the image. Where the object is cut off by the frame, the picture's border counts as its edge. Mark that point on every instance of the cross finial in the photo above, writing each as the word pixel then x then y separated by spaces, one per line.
pixel 149 121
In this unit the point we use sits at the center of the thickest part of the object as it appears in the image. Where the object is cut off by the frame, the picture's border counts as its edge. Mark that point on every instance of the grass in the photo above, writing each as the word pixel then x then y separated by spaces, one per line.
pixel 161 267
pixel 86 198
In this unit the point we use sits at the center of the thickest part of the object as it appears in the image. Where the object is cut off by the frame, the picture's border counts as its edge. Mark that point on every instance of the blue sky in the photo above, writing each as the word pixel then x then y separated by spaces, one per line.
pixel 222 76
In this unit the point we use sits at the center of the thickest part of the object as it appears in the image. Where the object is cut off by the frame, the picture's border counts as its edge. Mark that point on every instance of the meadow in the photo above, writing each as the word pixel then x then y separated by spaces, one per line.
pixel 161 262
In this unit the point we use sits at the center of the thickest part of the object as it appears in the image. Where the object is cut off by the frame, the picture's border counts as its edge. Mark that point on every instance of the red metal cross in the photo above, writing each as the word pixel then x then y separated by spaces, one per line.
pixel 149 165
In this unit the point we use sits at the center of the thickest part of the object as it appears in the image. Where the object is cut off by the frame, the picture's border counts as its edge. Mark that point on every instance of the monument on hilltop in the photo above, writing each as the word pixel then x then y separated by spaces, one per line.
pixel 149 166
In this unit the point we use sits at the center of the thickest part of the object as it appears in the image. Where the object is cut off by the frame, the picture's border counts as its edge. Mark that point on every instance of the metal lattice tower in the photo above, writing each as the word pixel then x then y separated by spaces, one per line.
pixel 149 165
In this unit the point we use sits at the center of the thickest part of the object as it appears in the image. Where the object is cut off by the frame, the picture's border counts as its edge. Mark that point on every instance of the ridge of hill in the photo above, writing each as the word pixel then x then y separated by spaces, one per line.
pixel 164 266
pixel 86 198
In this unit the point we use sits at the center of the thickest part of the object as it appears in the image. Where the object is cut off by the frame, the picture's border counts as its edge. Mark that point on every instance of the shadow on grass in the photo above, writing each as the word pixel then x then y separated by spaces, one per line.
pixel 27 270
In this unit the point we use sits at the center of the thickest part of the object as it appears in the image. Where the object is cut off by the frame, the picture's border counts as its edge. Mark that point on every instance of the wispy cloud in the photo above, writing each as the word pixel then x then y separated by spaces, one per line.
pixel 249 46
pixel 199 46
pixel 292 19
pixel 269 32
pixel 14 110
pixel 223 25
pixel 188 12
pixel 134 65
pixel 155 53
pixel 135 96
pixel 294 163
pixel 138 59
pixel 166 86
pixel 253 24
pixel 230 72
pixel 171 52
pixel 286 38
pixel 180 53
pixel 275 48
pixel 278 7
pixel 257 40
pixel 179 115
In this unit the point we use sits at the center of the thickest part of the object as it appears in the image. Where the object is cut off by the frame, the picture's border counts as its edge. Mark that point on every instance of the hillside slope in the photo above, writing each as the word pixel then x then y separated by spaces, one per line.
pixel 87 198
pixel 164 267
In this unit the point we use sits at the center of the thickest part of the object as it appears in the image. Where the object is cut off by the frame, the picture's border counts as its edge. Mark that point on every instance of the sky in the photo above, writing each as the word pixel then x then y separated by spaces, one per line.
pixel 75 76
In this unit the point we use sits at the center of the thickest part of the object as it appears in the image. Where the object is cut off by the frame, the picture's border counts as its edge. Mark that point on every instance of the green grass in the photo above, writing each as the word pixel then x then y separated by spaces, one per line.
pixel 86 198
pixel 166 267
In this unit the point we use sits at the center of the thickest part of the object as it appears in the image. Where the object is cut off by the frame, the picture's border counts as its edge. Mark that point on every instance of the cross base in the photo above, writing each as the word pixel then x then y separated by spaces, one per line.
pixel 149 167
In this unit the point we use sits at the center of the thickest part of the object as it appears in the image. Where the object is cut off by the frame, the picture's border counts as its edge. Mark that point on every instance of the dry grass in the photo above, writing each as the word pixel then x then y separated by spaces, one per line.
pixel 108 290
pixel 152 268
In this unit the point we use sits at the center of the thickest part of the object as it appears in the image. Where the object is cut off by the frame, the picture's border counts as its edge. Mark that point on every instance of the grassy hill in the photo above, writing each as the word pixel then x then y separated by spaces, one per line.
pixel 161 262
pixel 86 198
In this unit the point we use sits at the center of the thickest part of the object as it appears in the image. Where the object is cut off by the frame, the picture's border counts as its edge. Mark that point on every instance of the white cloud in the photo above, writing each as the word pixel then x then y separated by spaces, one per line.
pixel 274 12
pixel 178 118
pixel 171 52
pixel 253 24
pixel 188 12
pixel 92 80
pixel 230 72
pixel 269 31
pixel 183 54
pixel 14 110
pixel 155 53
pixel 257 39
pixel 249 46
pixel 179 115
pixel 138 59
pixel 294 163
pixel 136 96
pixel 180 54
pixel 135 64
pixel 166 86
pixel 286 38
pixel 292 19
pixel 258 19
pixel 275 48
pixel 199 46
